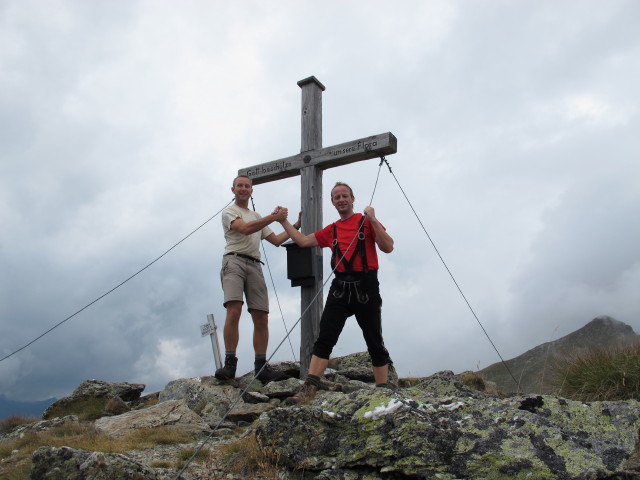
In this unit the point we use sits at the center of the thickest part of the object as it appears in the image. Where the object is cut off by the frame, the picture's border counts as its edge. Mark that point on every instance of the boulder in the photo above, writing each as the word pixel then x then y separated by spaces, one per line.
pixel 441 429
pixel 198 392
pixel 38 427
pixel 355 366
pixel 248 412
pixel 95 392
pixel 64 463
pixel 173 413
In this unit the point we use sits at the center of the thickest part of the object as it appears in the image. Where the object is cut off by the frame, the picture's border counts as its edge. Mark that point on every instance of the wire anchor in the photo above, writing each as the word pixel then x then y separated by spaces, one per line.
pixel 383 159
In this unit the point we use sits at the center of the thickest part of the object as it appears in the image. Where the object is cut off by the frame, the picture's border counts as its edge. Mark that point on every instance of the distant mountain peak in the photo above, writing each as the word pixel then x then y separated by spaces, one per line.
pixel 605 323
pixel 533 368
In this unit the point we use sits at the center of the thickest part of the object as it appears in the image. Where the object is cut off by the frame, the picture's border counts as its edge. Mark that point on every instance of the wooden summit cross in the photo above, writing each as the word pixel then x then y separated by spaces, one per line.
pixel 309 164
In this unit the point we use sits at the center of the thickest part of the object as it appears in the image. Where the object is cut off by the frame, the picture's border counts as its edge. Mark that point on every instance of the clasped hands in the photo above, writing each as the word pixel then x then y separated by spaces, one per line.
pixel 281 214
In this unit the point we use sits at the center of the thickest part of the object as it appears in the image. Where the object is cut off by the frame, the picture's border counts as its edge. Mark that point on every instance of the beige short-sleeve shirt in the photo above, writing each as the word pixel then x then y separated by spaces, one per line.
pixel 237 242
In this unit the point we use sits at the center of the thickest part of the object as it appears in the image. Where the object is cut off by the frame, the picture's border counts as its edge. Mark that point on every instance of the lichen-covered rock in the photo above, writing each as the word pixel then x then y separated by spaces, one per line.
pixel 356 366
pixel 248 412
pixel 37 427
pixel 282 389
pixel 334 474
pixel 64 463
pixel 99 388
pixel 90 390
pixel 198 392
pixel 441 429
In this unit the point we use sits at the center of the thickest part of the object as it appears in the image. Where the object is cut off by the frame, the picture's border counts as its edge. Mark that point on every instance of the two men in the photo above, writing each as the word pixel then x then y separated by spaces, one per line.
pixel 354 290
pixel 241 274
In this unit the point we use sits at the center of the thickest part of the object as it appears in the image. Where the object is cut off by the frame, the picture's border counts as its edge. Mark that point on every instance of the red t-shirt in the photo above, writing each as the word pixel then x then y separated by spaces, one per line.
pixel 346 231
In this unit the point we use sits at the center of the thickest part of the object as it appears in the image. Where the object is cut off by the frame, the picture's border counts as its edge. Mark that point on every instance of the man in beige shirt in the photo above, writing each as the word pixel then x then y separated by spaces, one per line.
pixel 242 277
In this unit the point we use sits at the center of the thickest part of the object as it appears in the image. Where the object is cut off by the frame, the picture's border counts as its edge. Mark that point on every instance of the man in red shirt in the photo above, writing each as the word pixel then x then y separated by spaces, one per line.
pixel 354 290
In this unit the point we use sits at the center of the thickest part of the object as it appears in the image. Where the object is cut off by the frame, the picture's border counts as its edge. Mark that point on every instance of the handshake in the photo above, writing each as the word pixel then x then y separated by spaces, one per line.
pixel 281 214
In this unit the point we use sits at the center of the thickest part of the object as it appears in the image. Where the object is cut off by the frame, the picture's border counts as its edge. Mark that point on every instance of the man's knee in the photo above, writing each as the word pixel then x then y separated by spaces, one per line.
pixel 234 310
pixel 260 318
pixel 322 348
pixel 380 358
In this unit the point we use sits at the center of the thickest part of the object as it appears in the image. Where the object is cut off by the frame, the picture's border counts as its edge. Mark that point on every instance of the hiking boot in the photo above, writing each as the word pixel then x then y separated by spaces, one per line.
pixel 390 385
pixel 306 395
pixel 228 372
pixel 267 374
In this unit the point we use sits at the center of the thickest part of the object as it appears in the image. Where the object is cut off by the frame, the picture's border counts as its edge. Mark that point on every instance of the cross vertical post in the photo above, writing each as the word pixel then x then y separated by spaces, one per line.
pixel 311 202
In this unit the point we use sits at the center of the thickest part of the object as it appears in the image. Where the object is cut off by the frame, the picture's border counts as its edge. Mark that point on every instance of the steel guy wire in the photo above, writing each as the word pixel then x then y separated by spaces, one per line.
pixel 383 159
pixel 275 292
pixel 273 284
pixel 114 288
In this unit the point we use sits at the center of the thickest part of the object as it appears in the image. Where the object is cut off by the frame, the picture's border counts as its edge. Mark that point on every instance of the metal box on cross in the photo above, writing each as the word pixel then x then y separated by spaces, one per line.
pixel 302 265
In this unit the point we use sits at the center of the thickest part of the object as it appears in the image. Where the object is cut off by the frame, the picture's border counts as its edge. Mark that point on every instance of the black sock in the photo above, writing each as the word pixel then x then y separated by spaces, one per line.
pixel 312 380
pixel 260 360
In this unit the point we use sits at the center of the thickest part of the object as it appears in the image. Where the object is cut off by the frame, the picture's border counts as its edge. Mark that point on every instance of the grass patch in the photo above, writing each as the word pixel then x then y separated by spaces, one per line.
pixel 247 458
pixel 181 458
pixel 16 454
pixel 15 421
pixel 85 408
pixel 409 382
pixel 15 470
pixel 600 374
pixel 149 401
pixel 163 464
pixel 141 439
pixel 473 380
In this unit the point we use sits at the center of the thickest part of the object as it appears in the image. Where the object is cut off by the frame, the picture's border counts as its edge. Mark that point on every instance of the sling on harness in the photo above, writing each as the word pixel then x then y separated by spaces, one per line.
pixel 351 280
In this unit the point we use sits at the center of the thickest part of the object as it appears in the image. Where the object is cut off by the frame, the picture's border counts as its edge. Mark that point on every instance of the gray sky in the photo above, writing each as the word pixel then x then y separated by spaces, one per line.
pixel 123 123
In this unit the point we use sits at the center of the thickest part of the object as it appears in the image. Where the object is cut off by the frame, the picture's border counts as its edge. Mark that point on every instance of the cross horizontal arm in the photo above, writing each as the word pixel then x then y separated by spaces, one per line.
pixel 323 158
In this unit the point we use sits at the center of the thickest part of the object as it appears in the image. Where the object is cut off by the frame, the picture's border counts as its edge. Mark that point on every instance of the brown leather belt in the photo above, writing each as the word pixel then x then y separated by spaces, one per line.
pixel 242 255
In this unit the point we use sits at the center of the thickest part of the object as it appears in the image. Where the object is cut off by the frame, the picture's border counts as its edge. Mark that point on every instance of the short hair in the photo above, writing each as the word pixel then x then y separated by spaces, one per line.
pixel 241 176
pixel 341 184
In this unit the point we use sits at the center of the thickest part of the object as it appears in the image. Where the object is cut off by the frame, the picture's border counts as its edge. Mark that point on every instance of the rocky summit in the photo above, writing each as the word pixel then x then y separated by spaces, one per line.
pixel 441 429
pixel 445 426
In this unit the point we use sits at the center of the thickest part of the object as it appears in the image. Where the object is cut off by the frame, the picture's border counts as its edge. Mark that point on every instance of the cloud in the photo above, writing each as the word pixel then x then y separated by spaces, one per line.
pixel 122 125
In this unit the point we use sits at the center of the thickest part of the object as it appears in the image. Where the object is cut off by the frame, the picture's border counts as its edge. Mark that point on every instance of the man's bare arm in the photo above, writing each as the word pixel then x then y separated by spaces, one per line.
pixel 247 228
pixel 300 239
pixel 383 239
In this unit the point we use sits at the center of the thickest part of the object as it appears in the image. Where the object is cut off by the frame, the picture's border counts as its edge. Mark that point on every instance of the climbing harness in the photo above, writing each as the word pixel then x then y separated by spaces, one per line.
pixel 350 281
pixel 360 248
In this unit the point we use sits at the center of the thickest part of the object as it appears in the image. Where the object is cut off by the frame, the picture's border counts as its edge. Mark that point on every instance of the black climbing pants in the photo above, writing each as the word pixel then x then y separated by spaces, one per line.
pixel 353 294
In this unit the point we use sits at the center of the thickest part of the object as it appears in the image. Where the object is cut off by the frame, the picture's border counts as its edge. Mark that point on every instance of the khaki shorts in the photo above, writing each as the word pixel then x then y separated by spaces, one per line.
pixel 241 276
